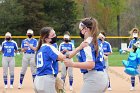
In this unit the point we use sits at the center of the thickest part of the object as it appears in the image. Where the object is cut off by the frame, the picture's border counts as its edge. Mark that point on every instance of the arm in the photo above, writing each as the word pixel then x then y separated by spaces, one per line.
pixel 32 47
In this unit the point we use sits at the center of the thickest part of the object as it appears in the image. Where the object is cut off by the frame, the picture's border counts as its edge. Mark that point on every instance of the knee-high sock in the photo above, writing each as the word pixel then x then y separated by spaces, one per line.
pixel 21 78
pixel 11 79
pixel 133 81
pixel 5 80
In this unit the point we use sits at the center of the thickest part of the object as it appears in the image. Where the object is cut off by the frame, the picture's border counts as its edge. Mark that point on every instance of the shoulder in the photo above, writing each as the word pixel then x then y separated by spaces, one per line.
pixel 62 43
pixel 13 41
pixel 4 41
pixel 34 39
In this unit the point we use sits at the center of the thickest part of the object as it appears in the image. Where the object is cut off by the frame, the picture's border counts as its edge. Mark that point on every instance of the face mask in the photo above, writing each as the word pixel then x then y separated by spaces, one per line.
pixel 66 40
pixel 135 34
pixel 29 36
pixel 8 39
pixel 53 40
pixel 81 35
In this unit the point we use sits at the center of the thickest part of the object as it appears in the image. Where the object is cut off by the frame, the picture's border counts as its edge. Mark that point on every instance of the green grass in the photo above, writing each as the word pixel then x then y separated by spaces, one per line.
pixel 114 60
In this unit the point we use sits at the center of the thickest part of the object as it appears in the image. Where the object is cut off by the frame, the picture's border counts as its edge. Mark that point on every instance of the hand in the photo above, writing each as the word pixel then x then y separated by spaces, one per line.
pixel 83 44
pixel 27 43
pixel 68 62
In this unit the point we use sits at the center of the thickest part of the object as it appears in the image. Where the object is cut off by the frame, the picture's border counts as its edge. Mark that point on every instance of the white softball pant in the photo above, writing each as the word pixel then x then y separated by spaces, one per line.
pixel 95 82
pixel 44 84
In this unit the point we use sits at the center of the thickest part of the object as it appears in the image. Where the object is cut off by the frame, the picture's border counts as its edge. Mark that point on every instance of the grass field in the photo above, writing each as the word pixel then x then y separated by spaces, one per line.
pixel 114 60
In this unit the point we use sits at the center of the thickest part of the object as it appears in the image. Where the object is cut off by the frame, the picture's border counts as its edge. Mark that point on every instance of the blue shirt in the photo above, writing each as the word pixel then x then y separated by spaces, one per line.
pixel 8 48
pixel 46 59
pixel 106 47
pixel 88 54
pixel 133 41
pixel 32 42
pixel 68 46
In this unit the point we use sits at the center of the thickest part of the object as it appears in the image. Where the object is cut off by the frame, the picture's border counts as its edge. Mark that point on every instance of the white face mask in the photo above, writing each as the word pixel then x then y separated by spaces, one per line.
pixel 135 34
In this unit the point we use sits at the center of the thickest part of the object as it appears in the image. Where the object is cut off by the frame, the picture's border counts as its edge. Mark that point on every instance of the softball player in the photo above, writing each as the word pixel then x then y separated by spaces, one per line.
pixel 135 34
pixel 66 46
pixel 91 59
pixel 46 61
pixel 9 47
pixel 107 51
pixel 28 47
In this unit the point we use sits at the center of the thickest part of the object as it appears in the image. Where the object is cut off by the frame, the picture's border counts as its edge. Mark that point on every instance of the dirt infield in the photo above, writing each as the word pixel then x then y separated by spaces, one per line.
pixel 120 82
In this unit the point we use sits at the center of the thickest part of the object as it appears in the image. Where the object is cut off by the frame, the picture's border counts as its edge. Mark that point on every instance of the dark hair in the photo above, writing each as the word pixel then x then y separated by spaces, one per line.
pixel 44 33
pixel 102 32
pixel 92 24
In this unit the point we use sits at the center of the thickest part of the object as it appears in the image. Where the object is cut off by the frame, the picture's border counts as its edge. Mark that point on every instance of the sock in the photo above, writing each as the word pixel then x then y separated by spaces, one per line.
pixel 5 80
pixel 133 81
pixel 70 80
pixel 21 78
pixel 11 79
pixel 33 77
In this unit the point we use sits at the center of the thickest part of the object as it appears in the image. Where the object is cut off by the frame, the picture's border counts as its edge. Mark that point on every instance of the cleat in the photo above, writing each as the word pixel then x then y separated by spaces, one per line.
pixel 5 86
pixel 11 86
pixel 71 88
pixel 132 88
pixel 19 86
pixel 109 89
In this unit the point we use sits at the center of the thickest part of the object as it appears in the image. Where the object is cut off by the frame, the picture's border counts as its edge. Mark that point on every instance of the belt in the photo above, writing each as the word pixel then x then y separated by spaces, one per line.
pixel 29 52
pixel 95 70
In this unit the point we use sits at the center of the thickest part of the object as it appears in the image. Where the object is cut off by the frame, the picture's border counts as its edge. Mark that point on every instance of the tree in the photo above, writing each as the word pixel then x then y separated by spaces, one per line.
pixel 61 14
pixel 11 16
pixel 34 15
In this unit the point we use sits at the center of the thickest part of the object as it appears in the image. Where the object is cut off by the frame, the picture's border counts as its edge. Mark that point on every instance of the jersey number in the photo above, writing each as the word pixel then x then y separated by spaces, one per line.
pixel 39 60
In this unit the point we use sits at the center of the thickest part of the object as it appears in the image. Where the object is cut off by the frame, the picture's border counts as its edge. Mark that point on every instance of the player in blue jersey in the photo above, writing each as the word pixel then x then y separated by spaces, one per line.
pixel 91 60
pixel 9 47
pixel 65 47
pixel 135 34
pixel 28 47
pixel 107 51
pixel 47 57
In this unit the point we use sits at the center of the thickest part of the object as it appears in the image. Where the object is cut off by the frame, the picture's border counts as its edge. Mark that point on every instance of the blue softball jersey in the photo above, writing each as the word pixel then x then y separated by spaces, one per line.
pixel 32 42
pixel 88 54
pixel 8 48
pixel 68 46
pixel 46 59
pixel 133 41
pixel 106 47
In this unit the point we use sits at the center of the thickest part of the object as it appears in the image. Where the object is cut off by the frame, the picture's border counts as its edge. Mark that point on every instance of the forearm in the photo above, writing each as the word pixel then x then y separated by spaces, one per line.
pixel 84 65
pixel 32 47
pixel 74 52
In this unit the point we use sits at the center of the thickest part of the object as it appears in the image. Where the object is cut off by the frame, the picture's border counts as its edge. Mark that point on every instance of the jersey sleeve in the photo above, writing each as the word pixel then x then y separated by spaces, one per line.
pixel 22 44
pixel 35 43
pixel 16 47
pixel 109 48
pixel 2 47
pixel 130 44
pixel 60 49
pixel 88 54
pixel 53 53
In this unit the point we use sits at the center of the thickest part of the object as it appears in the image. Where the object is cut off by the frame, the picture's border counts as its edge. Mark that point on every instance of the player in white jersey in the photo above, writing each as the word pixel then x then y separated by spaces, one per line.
pixel 9 47
pixel 66 47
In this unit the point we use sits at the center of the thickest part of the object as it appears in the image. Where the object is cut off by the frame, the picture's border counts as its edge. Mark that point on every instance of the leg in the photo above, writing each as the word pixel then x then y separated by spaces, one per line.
pixel 132 82
pixel 11 68
pixel 33 66
pixel 70 72
pixel 24 68
pixel 63 72
pixel 5 70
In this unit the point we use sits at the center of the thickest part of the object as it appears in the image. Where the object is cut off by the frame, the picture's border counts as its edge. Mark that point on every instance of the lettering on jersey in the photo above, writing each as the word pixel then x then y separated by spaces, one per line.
pixel 39 60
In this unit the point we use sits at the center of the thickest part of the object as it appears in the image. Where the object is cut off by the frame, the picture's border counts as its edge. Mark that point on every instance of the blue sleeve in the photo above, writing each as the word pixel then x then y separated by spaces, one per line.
pixel 16 47
pixel 130 44
pixel 22 44
pixel 35 43
pixel 109 48
pixel 52 54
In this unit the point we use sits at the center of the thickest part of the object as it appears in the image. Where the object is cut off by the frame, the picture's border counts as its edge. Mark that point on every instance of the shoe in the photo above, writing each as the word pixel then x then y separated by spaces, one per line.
pixel 109 89
pixel 19 86
pixel 11 86
pixel 5 86
pixel 71 88
pixel 132 88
